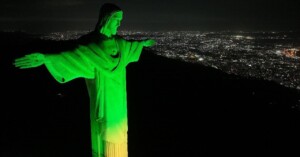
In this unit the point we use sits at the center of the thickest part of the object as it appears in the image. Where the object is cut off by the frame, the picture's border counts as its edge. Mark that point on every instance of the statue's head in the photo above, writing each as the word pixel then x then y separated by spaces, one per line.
pixel 110 18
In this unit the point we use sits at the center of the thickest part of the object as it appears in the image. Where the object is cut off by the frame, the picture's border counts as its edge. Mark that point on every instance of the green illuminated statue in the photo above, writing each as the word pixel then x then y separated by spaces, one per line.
pixel 100 58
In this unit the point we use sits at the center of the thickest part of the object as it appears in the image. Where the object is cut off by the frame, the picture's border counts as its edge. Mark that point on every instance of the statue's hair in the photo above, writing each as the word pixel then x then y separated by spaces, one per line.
pixel 106 10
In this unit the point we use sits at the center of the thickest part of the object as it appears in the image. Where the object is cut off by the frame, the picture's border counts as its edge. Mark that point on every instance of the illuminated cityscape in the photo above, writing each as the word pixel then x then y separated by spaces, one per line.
pixel 257 55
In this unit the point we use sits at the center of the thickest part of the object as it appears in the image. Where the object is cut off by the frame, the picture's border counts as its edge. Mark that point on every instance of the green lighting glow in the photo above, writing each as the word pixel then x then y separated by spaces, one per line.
pixel 102 63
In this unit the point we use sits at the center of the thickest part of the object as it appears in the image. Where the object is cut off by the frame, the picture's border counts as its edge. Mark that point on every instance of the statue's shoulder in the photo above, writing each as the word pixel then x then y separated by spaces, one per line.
pixel 90 38
pixel 85 39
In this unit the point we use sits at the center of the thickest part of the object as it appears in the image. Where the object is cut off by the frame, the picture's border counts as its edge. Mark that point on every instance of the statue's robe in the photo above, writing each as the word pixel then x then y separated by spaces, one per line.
pixel 105 76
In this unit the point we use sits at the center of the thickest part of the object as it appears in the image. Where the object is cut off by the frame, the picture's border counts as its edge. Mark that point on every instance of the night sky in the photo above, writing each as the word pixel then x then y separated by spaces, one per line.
pixel 38 16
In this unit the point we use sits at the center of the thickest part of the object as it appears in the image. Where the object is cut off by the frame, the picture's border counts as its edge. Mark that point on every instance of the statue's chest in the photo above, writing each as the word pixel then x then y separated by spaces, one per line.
pixel 109 46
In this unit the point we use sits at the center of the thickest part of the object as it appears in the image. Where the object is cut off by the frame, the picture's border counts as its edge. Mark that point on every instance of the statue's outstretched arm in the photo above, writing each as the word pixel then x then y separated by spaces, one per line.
pixel 32 60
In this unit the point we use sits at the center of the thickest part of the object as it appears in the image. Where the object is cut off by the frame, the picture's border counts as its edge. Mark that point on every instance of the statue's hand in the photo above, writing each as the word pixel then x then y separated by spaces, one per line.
pixel 149 42
pixel 30 61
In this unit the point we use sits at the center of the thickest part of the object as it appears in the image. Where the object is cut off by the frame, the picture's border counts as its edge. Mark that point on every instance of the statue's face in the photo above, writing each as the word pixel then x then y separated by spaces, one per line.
pixel 114 22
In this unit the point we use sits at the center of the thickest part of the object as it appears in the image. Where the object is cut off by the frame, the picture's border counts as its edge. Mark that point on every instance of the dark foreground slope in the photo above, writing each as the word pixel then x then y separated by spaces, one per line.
pixel 182 109
pixel 175 109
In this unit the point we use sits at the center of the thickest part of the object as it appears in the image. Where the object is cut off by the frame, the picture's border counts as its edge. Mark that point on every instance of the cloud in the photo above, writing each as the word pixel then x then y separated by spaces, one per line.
pixel 41 3
pixel 60 3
